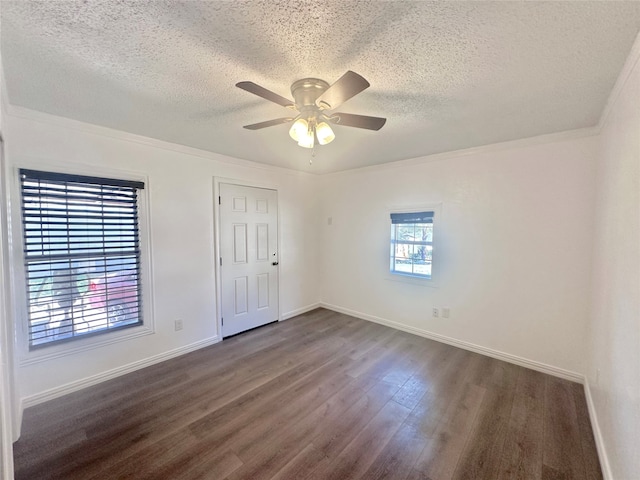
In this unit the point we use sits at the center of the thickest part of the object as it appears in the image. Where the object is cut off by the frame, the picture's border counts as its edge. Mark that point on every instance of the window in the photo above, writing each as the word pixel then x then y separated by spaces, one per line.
pixel 81 255
pixel 412 243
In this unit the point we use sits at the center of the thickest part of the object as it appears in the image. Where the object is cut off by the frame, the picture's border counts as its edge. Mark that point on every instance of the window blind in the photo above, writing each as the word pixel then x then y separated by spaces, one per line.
pixel 81 255
pixel 415 217
pixel 412 243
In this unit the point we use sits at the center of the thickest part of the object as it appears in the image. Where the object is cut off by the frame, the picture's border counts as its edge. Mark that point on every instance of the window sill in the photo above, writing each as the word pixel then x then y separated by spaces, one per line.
pixel 43 354
pixel 418 281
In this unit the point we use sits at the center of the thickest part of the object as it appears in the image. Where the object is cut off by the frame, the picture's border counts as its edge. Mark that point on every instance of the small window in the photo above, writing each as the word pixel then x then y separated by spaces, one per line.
pixel 81 255
pixel 412 244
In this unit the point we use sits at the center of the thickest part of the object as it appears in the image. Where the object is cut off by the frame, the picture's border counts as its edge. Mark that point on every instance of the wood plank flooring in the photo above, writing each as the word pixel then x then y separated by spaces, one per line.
pixel 320 396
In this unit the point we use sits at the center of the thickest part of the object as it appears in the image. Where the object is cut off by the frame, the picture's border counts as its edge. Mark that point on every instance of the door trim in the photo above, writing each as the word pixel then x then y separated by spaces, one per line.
pixel 216 243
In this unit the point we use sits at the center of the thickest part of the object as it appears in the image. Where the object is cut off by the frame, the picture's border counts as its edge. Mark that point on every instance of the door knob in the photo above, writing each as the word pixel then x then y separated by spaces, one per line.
pixel 274 263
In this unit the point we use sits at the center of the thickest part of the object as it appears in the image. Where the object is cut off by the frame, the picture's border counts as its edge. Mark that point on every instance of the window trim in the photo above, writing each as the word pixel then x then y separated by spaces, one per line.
pixel 436 208
pixel 27 356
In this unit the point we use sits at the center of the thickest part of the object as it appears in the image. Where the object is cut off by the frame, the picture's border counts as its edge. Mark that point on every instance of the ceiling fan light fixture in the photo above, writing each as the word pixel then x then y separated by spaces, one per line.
pixel 324 133
pixel 313 97
pixel 299 129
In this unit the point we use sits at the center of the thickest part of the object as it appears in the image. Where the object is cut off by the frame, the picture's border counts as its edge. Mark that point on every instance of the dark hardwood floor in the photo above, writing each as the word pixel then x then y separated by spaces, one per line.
pixel 320 396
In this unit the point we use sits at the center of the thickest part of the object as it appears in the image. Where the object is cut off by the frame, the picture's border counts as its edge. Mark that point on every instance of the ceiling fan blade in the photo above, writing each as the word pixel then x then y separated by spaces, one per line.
pixel 343 89
pixel 268 123
pixel 358 121
pixel 266 94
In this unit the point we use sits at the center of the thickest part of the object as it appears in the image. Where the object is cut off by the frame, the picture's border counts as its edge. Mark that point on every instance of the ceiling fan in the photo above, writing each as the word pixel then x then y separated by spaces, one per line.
pixel 313 98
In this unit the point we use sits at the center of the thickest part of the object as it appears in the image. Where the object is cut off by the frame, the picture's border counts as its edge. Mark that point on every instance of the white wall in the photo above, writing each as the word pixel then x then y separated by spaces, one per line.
pixel 615 330
pixel 514 252
pixel 180 186
pixel 7 426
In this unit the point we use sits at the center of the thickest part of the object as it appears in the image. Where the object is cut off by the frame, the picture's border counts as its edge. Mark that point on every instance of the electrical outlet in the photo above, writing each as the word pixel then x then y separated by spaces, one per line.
pixel 178 325
pixel 445 312
pixel 435 312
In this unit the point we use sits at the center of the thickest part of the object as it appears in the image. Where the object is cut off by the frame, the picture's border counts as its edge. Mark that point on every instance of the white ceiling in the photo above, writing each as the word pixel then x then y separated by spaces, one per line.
pixel 447 75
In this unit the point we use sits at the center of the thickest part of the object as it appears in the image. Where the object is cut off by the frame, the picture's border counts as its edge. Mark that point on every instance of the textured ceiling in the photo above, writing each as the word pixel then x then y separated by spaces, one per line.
pixel 447 75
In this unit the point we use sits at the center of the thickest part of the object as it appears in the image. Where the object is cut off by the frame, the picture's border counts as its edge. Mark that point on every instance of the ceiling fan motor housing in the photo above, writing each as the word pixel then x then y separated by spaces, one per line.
pixel 306 91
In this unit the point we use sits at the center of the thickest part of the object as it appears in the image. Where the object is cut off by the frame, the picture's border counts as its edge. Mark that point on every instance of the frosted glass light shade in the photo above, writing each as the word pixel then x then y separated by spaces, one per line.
pixel 299 129
pixel 324 133
pixel 306 140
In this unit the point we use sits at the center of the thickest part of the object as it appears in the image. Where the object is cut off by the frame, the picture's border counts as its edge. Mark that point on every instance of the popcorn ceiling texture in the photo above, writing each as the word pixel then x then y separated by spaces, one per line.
pixel 447 75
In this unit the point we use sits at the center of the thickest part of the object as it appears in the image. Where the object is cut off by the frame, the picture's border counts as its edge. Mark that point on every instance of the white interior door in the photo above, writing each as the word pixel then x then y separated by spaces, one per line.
pixel 249 257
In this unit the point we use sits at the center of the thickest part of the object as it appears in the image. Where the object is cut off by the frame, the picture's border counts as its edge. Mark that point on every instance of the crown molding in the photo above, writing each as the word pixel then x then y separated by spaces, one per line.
pixel 484 149
pixel 629 66
pixel 65 122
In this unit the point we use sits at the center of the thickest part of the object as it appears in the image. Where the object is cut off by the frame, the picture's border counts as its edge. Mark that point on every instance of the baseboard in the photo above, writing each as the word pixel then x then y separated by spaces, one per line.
pixel 597 433
pixel 507 357
pixel 56 392
pixel 299 311
pixel 17 427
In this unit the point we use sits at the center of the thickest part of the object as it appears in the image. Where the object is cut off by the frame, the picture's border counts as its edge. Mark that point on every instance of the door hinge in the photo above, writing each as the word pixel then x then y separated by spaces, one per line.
pixel 223 321
pixel 219 200
pixel 220 261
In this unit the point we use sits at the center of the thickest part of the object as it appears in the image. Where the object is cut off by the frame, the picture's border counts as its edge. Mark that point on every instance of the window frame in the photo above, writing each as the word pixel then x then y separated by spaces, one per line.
pixel 27 355
pixel 411 278
pixel 412 220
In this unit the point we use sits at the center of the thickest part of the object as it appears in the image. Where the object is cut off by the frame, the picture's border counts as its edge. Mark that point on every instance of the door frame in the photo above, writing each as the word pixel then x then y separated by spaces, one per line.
pixel 216 242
